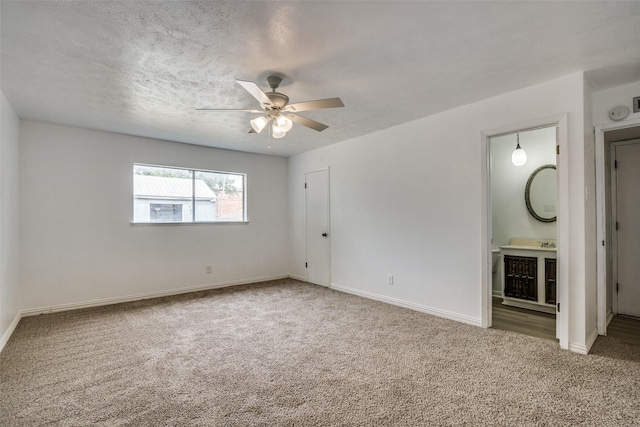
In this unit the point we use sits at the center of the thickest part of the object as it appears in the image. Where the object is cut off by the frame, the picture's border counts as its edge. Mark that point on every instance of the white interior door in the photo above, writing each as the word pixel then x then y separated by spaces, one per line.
pixel 318 236
pixel 627 217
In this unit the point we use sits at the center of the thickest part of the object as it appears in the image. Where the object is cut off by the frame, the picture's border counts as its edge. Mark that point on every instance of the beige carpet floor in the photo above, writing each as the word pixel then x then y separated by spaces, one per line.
pixel 286 353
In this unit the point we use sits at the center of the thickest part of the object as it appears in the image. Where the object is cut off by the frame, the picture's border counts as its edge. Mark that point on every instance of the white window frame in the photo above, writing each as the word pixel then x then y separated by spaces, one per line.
pixel 193 197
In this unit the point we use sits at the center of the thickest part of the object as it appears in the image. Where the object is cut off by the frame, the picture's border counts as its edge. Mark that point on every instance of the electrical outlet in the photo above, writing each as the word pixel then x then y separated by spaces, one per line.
pixel 209 269
pixel 636 104
pixel 390 279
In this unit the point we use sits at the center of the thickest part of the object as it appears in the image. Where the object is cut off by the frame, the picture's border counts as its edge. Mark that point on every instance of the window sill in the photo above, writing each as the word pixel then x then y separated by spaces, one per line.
pixel 145 224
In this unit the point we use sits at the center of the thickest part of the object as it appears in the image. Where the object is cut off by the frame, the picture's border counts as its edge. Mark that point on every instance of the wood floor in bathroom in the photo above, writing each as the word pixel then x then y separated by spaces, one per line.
pixel 527 322
pixel 543 325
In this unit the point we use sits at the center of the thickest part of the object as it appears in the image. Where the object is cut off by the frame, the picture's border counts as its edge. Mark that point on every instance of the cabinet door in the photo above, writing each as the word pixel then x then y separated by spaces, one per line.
pixel 521 277
pixel 550 280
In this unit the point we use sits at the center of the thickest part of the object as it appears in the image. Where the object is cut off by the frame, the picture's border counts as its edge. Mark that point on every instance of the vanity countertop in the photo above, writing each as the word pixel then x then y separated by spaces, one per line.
pixel 531 244
pixel 528 248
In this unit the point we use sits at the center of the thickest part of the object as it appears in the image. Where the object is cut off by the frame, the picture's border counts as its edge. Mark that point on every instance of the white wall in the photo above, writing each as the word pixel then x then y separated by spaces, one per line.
pixel 76 203
pixel 408 201
pixel 590 244
pixel 604 100
pixel 9 221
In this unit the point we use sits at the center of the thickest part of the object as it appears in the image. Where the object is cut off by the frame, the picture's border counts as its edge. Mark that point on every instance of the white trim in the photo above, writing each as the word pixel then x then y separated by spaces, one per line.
pixel 497 294
pixel 603 318
pixel 563 251
pixel 7 334
pixel 412 306
pixel 584 349
pixel 614 214
pixel 601 235
pixel 145 224
pixel 486 308
pixel 148 295
pixel 578 348
pixel 591 339
pixel 297 277
pixel 613 242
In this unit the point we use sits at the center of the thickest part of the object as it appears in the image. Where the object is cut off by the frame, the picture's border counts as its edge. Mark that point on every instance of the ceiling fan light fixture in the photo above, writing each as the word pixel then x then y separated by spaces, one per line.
pixel 259 123
pixel 284 123
pixel 277 132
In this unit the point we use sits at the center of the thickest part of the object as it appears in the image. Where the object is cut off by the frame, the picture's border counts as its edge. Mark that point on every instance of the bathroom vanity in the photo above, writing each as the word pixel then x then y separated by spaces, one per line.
pixel 529 274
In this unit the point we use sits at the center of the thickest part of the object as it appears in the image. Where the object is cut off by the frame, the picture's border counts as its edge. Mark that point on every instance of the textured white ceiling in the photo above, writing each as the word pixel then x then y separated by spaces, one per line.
pixel 142 68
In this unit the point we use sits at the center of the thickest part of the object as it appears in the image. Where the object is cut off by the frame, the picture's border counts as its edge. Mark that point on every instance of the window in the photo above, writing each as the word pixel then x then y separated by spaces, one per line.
pixel 172 195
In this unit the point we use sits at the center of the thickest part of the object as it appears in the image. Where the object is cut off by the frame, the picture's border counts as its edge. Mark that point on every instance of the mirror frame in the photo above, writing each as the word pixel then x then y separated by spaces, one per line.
pixel 527 189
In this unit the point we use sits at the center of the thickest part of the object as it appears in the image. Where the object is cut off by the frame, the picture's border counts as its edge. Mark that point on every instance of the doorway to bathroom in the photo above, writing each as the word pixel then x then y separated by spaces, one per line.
pixel 523 201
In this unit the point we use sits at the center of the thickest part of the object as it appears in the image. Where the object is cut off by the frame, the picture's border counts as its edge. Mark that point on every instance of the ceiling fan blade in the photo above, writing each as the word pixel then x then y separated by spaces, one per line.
pixel 312 124
pixel 314 105
pixel 256 92
pixel 230 109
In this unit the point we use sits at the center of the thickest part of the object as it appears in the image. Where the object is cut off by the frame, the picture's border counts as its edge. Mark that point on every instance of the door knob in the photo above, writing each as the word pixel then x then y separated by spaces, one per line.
pixel 324 234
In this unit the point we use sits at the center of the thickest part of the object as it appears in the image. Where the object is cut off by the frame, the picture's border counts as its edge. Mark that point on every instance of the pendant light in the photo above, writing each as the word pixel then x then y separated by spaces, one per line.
pixel 518 157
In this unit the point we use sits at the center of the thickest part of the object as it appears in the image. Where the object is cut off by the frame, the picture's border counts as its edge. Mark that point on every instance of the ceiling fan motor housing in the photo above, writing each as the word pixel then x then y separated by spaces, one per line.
pixel 279 100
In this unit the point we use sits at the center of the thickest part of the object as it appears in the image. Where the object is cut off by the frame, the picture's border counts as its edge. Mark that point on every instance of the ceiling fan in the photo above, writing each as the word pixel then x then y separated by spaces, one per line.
pixel 278 111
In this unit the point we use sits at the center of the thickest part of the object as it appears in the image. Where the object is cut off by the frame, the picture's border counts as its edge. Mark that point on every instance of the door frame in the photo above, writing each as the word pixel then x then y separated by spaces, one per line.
pixel 563 250
pixel 306 236
pixel 614 214
pixel 603 221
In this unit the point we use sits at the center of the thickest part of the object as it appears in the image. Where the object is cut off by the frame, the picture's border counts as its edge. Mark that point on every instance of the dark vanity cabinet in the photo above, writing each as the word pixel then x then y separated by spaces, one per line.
pixel 550 280
pixel 521 277
pixel 529 274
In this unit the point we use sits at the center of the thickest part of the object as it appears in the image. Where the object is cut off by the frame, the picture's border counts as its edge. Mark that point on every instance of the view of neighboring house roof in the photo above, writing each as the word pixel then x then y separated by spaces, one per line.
pixel 165 187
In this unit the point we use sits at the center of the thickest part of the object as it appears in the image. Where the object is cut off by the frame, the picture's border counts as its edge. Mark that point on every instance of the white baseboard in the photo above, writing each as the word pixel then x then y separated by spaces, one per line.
pixel 412 306
pixel 7 334
pixel 148 295
pixel 591 339
pixel 295 276
pixel 578 348
pixel 497 294
pixel 609 317
pixel 584 348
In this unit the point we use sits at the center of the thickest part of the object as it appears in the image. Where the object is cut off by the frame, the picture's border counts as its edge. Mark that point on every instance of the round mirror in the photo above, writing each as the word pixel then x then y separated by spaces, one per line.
pixel 540 193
